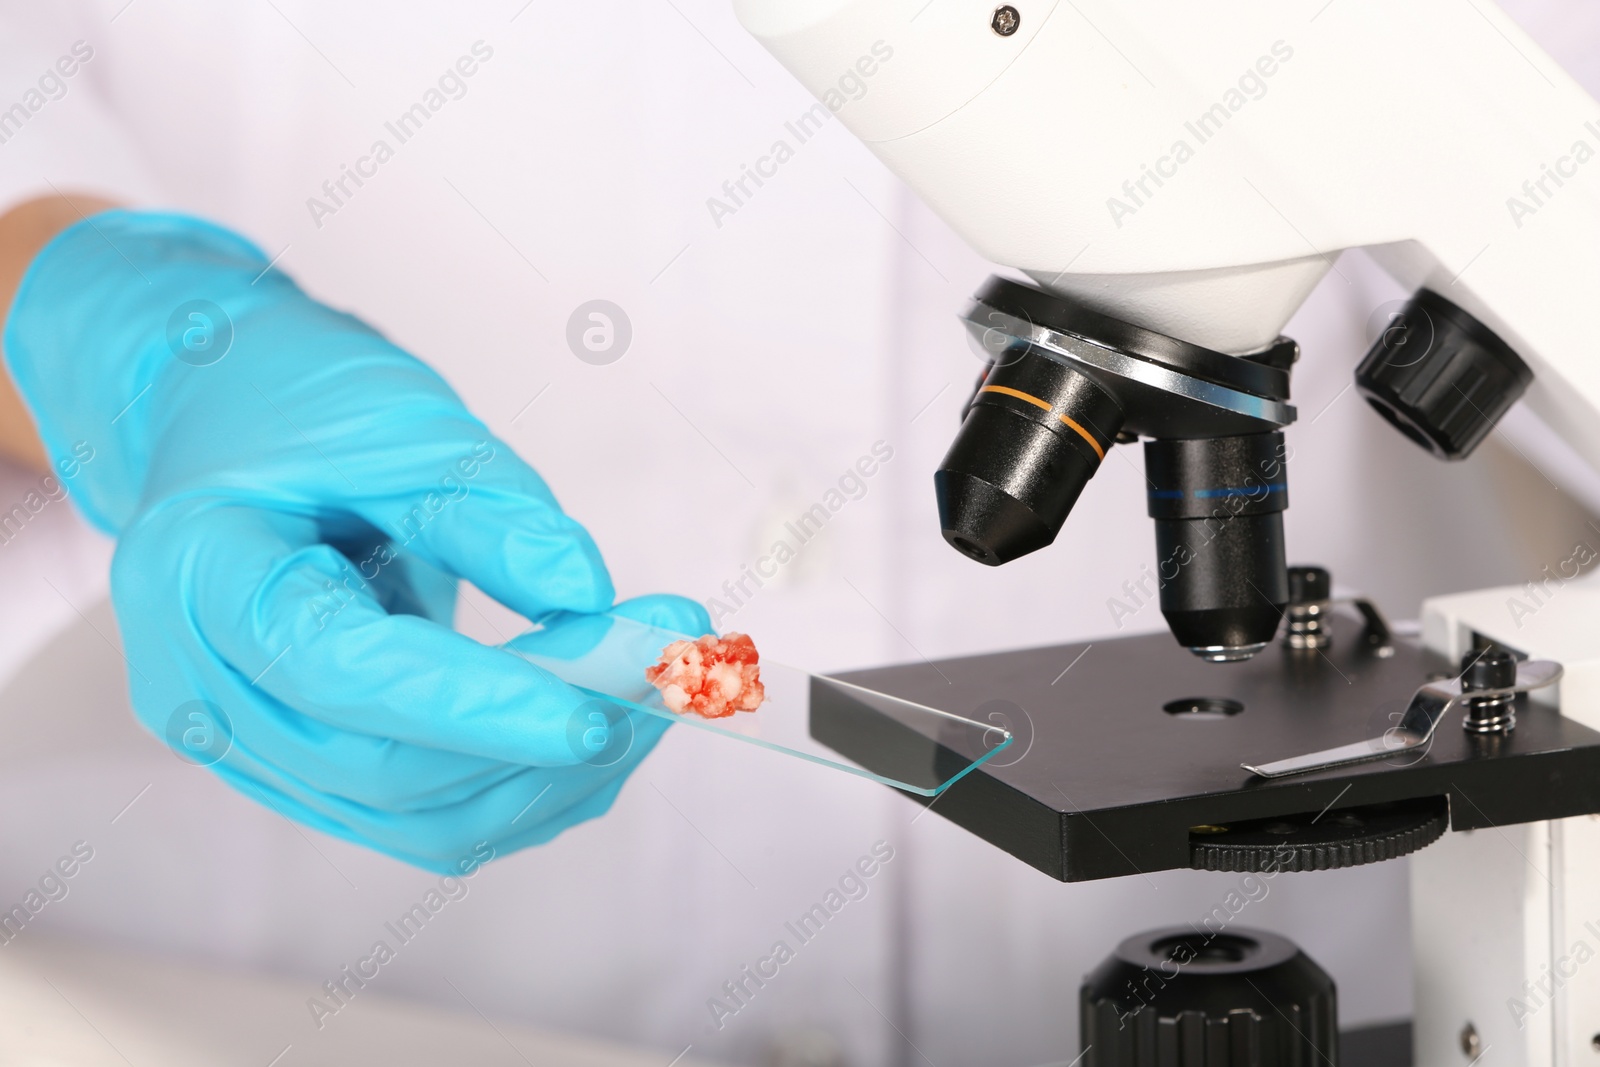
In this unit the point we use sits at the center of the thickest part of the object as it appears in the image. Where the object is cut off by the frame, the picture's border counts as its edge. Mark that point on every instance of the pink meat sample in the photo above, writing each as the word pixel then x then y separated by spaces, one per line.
pixel 712 676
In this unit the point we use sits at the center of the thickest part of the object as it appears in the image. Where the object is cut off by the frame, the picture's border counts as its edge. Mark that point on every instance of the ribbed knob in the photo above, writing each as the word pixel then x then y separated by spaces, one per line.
pixel 1440 376
pixel 1183 997
pixel 1494 668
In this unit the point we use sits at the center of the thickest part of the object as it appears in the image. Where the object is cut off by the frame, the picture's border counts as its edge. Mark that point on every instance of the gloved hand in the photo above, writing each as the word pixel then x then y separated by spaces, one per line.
pixel 294 498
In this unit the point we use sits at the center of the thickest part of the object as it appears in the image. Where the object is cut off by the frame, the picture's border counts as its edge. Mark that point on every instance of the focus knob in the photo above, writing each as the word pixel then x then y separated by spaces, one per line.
pixel 1440 376
pixel 1198 997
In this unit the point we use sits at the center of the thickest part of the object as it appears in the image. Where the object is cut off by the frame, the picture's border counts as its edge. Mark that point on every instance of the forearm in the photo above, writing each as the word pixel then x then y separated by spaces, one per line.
pixel 24 230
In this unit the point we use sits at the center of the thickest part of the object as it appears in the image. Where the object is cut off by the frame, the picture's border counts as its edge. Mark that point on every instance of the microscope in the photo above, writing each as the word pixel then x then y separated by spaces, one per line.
pixel 1164 183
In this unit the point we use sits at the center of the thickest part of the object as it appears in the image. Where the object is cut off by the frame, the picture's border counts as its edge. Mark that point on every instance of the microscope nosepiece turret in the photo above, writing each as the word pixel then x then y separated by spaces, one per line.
pixel 1065 384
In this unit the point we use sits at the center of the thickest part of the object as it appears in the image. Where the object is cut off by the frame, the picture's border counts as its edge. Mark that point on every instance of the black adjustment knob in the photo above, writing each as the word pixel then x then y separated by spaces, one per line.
pixel 1441 377
pixel 1193 997
pixel 1309 585
pixel 1320 841
pixel 1494 668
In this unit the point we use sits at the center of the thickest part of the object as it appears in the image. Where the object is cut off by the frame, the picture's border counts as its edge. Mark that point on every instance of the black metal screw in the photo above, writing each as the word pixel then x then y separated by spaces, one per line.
pixel 1006 20
pixel 1307 622
pixel 1493 668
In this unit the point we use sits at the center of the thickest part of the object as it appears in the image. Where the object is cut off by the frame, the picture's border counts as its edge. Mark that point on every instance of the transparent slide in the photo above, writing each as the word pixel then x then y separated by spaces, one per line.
pixel 812 717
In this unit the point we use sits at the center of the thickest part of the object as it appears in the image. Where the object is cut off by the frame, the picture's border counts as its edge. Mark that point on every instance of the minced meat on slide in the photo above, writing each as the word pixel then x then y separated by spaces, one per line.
pixel 711 676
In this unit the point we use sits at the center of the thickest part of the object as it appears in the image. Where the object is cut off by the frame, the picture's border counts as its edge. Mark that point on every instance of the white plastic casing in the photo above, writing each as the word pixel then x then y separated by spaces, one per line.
pixel 1506 921
pixel 1416 129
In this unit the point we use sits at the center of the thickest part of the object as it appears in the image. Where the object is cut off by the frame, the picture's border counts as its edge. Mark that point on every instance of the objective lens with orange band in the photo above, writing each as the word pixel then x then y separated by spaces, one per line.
pixel 1033 435
pixel 1066 420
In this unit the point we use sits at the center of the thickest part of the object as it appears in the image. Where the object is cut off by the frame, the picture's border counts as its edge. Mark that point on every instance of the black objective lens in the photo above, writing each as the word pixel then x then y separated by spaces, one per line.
pixel 1033 436
pixel 1218 505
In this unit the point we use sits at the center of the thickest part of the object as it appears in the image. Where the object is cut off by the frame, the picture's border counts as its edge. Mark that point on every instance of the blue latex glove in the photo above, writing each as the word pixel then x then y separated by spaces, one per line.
pixel 294 498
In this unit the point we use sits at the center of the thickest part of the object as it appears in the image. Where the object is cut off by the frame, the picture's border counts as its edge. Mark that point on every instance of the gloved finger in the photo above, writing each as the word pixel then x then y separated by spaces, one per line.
pixel 516 811
pixel 478 511
pixel 608 652
pixel 177 674
pixel 404 583
pixel 680 615
pixel 353 665
pixel 418 588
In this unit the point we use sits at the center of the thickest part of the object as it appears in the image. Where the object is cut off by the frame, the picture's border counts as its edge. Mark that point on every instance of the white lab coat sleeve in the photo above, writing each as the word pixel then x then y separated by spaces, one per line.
pixel 58 131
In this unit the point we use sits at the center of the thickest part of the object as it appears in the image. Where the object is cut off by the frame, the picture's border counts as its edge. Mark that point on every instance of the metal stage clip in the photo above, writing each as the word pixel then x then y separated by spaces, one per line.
pixel 1432 701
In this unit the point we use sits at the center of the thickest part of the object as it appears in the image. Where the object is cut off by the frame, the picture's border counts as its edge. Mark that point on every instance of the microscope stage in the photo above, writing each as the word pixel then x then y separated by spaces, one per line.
pixel 1101 781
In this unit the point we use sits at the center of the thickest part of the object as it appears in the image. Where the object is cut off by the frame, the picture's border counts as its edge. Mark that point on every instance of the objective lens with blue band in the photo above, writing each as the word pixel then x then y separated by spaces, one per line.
pixel 1214 494
pixel 1218 504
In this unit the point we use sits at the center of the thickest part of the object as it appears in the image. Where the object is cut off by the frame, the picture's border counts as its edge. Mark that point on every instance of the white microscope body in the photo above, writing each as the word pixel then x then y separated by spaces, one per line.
pixel 1196 169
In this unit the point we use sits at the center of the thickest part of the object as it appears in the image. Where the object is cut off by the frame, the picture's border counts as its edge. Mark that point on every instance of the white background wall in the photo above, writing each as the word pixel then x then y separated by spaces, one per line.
pixel 768 354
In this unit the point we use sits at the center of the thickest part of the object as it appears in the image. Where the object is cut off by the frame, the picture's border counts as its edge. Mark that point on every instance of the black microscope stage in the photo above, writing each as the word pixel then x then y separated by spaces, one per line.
pixel 1102 781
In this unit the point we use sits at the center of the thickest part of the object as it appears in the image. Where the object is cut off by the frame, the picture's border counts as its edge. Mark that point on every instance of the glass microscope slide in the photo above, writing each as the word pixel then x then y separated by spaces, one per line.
pixel 811 717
